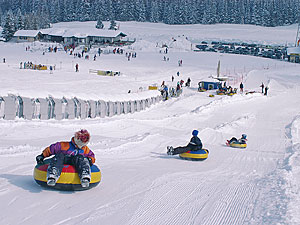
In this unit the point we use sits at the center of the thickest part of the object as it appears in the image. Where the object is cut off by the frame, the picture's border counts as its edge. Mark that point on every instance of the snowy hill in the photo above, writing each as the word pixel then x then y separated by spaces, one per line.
pixel 141 184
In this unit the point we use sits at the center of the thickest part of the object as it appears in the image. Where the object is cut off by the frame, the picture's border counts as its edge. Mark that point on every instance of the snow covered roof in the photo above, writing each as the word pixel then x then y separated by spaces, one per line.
pixel 209 79
pixel 53 32
pixel 93 33
pixel 26 33
pixel 77 32
pixel 293 50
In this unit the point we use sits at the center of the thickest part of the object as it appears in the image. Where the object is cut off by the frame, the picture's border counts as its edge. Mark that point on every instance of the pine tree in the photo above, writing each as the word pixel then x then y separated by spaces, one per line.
pixel 20 21
pixel 190 11
pixel 99 24
pixel 154 16
pixel 168 13
pixel 140 11
pixel 9 27
pixel 86 9
pixel 35 25
pixel 28 22
pixel 260 12
pixel 113 25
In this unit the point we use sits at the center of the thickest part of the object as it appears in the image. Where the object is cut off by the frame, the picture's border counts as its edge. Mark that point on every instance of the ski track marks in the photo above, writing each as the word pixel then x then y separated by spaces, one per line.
pixel 193 199
pixel 124 148
pixel 18 149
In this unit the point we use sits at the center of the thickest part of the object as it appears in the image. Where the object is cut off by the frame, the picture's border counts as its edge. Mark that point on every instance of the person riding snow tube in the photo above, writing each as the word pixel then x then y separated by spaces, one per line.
pixel 68 180
pixel 198 155
pixel 74 154
pixel 192 151
pixel 237 143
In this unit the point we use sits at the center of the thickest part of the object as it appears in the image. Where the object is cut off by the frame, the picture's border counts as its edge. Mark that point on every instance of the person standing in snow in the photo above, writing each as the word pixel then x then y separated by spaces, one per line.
pixel 242 87
pixel 77 67
pixel 172 78
pixel 188 82
pixel 74 152
pixel 262 87
pixel 178 87
pixel 266 90
pixel 166 90
pixel 195 144
pixel 181 83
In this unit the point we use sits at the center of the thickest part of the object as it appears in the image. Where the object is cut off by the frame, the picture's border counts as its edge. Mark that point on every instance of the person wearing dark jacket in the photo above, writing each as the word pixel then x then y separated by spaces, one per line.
pixel 266 90
pixel 195 144
pixel 242 87
pixel 234 140
pixel 262 87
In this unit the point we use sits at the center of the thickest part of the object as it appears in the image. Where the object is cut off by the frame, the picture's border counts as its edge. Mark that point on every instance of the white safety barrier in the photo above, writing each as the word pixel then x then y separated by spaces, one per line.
pixel 2 107
pixel 15 106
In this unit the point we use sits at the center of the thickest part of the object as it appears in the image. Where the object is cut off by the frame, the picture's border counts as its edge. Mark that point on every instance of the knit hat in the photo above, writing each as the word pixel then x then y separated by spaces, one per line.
pixel 195 132
pixel 81 138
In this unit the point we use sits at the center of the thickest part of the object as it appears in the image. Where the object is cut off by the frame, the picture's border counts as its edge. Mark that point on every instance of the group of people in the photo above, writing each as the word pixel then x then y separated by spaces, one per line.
pixel 166 58
pixel 227 90
pixel 51 49
pixel 30 65
pixel 130 55
pixel 264 89
pixel 172 91
pixel 180 62
pixel 224 89
pixel 118 50
pixel 76 152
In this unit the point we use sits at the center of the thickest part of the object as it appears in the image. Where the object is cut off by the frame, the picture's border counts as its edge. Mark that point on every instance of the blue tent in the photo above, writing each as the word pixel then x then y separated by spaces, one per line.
pixel 209 85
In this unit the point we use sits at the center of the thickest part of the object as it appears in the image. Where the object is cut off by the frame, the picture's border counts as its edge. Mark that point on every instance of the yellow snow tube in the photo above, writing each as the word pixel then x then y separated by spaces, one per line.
pixel 195 155
pixel 69 179
pixel 236 145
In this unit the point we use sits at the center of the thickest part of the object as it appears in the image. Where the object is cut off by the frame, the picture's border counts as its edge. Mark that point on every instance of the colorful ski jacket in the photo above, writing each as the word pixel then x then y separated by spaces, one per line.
pixel 68 148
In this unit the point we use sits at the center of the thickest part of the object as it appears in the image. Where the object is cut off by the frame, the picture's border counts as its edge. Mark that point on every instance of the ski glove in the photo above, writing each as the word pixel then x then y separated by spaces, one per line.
pixel 90 161
pixel 40 159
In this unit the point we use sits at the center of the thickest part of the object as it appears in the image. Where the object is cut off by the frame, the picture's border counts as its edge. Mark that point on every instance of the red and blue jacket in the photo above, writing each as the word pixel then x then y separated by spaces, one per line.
pixel 68 148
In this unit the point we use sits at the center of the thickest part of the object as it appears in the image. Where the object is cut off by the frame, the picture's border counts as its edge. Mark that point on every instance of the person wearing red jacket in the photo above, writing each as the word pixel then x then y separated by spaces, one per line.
pixel 74 152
